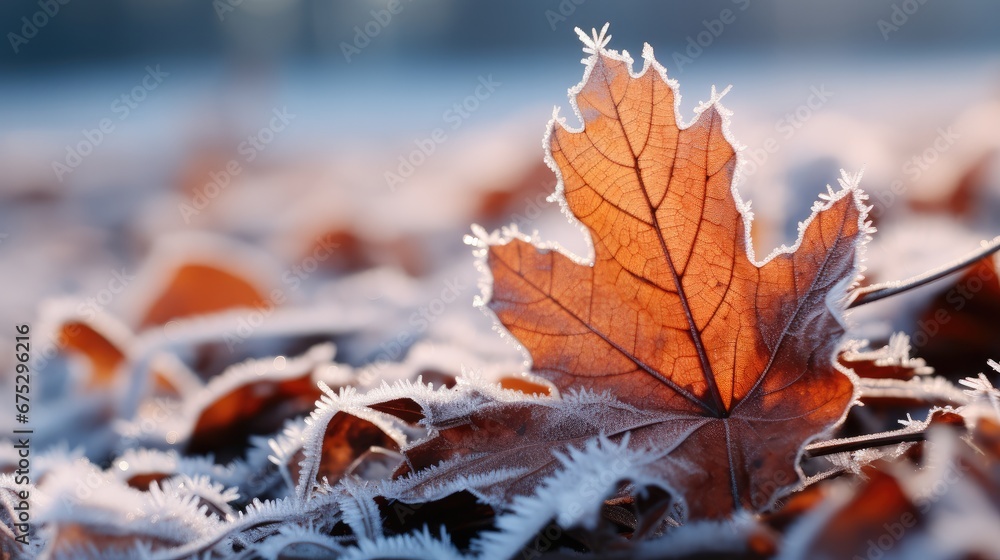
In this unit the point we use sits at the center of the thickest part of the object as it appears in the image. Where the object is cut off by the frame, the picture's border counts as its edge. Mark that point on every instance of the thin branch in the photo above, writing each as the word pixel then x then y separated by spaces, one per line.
pixel 845 445
pixel 929 390
pixel 883 290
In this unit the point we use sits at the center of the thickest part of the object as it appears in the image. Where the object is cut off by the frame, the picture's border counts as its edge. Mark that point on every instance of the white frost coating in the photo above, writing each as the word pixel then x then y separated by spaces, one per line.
pixel 108 505
pixel 53 457
pixel 572 497
pixel 186 332
pixel 926 389
pixel 182 418
pixel 312 445
pixel 981 388
pixel 894 354
pixel 701 538
pixel 248 372
pixel 203 488
pixel 288 536
pixel 471 392
pixel 8 501
pixel 144 461
pixel 283 448
pixel 258 521
pixel 419 545
pixel 963 514
pixel 456 474
pixel 426 485
pixel 348 401
pixel 359 510
pixel 422 356
pixel 855 461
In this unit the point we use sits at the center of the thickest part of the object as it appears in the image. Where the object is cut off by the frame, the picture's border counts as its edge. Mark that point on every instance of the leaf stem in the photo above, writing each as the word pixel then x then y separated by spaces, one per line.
pixel 875 292
pixel 845 445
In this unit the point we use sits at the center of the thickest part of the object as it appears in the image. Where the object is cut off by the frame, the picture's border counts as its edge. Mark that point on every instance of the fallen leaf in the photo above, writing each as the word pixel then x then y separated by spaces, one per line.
pixel 674 316
pixel 870 523
pixel 197 289
pixel 963 315
pixel 98 339
pixel 188 275
pixel 104 355
pixel 892 361
pixel 255 397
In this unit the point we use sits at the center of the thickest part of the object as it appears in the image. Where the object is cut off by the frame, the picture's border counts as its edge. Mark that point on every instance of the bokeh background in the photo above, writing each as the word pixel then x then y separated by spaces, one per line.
pixel 140 136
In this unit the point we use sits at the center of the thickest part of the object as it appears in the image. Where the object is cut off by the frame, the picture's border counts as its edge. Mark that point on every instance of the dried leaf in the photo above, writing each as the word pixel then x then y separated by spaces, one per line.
pixel 962 316
pixel 892 361
pixel 254 398
pixel 100 339
pixel 732 360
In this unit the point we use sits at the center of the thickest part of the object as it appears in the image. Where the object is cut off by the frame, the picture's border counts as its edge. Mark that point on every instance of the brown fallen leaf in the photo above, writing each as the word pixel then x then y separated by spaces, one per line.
pixel 96 339
pixel 255 397
pixel 870 523
pixel 674 316
pixel 347 443
pixel 196 289
pixel 892 361
pixel 963 315
pixel 105 356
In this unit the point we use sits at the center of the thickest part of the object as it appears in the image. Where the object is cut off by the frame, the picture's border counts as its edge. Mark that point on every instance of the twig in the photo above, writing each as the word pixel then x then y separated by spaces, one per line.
pixel 845 445
pixel 883 290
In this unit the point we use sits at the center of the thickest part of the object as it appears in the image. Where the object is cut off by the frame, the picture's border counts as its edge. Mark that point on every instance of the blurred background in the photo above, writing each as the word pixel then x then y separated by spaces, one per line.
pixel 337 152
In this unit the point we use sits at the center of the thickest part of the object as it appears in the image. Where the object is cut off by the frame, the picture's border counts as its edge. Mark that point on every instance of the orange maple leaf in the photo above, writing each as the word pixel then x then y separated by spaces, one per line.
pixel 673 314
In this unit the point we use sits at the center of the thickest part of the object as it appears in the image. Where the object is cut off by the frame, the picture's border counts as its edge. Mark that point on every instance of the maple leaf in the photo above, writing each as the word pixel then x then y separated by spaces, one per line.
pixel 892 361
pixel 728 364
